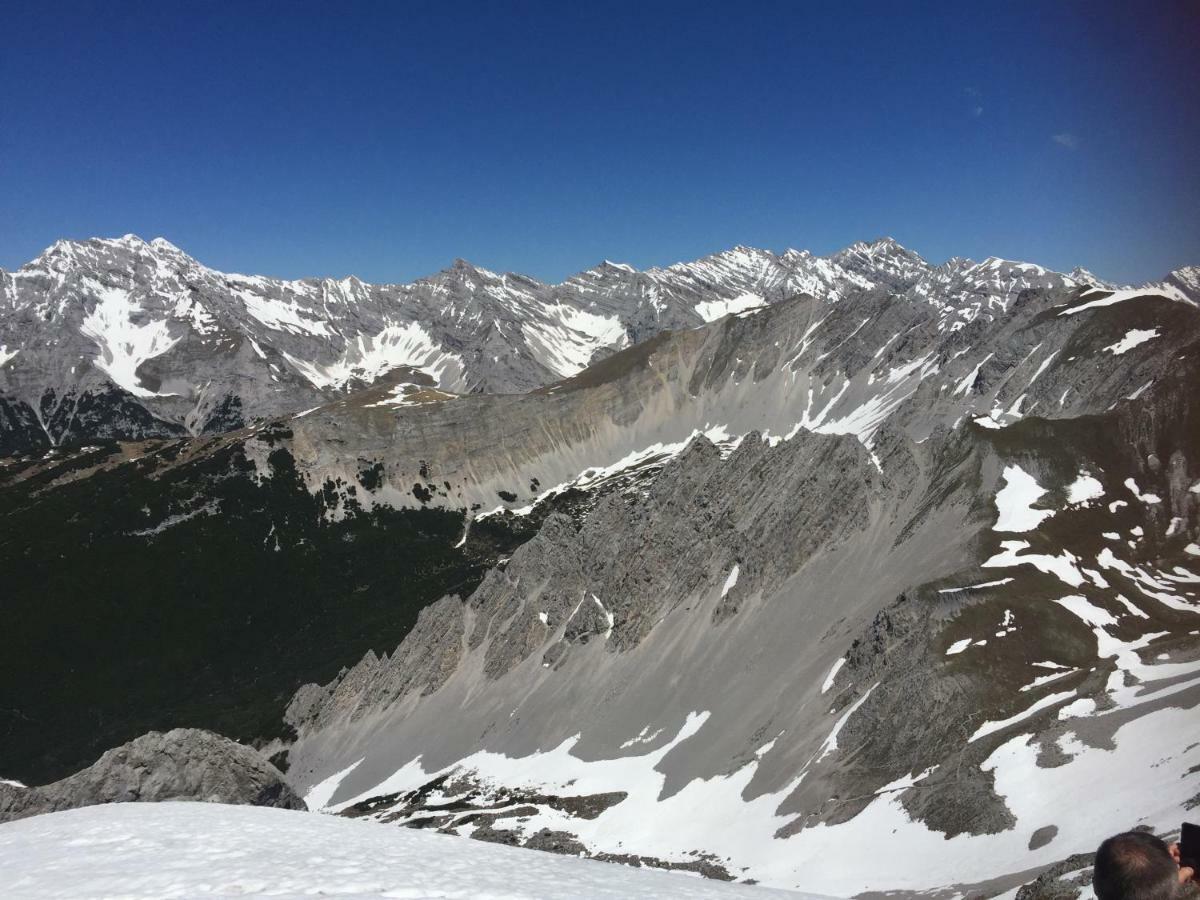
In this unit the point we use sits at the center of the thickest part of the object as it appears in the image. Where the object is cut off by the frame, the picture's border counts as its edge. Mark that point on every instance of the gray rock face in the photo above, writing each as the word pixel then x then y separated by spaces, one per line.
pixel 182 764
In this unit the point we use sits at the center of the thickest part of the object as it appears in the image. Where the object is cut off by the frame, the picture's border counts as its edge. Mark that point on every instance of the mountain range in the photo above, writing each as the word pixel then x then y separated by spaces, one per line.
pixel 737 566
pixel 127 339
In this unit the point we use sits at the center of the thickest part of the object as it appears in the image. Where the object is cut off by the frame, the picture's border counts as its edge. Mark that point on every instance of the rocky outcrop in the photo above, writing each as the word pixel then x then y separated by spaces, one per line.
pixel 1065 880
pixel 422 664
pixel 182 764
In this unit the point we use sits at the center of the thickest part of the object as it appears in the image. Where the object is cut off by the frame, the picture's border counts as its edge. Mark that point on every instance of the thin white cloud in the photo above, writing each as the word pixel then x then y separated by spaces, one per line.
pixel 1065 139
pixel 975 96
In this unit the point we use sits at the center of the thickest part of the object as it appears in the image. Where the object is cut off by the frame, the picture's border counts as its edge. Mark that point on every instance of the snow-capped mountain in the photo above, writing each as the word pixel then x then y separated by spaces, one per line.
pixel 913 558
pixel 127 339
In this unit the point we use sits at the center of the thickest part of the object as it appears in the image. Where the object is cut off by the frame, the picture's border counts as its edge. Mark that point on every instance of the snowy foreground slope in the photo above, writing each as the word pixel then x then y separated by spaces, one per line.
pixel 148 850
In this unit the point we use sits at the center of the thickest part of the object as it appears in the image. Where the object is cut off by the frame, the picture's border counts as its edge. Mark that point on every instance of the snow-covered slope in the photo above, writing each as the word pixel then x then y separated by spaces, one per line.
pixel 186 850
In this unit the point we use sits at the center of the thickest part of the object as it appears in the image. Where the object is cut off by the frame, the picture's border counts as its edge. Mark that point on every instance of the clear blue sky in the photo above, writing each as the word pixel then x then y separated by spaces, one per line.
pixel 387 139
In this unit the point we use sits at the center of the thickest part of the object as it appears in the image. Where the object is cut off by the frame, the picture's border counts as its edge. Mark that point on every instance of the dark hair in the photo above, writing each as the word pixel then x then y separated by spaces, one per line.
pixel 1135 866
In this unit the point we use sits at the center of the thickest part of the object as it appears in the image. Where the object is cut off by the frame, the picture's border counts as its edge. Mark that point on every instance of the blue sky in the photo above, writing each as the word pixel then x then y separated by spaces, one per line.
pixel 387 139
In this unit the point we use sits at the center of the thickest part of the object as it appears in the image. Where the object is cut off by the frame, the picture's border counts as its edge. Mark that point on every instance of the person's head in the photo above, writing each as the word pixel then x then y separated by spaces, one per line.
pixel 1136 866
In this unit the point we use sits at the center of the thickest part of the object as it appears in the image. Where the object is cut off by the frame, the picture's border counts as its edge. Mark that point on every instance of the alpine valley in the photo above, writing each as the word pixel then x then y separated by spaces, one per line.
pixel 736 566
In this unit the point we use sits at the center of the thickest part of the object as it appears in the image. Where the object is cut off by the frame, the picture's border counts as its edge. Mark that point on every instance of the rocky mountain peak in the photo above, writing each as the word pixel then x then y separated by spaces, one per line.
pixel 1187 279
pixel 462 272
pixel 883 246
pixel 97 255
pixel 883 262
pixel 791 256
pixel 955 264
pixel 161 243
pixel 610 266
pixel 1085 276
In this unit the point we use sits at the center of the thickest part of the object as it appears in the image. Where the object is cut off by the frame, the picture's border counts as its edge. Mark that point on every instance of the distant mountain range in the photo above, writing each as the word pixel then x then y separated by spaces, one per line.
pixel 127 339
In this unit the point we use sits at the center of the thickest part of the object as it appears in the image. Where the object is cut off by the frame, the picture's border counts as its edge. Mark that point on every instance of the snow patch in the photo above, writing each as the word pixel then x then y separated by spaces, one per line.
pixel 958 647
pixel 991 727
pixel 645 736
pixel 319 794
pixel 965 384
pixel 975 587
pixel 829 679
pixel 1046 679
pixel 1062 567
pixel 830 744
pixel 1084 489
pixel 1133 337
pixel 124 345
pixel 566 338
pixel 1113 297
pixel 370 356
pixel 731 579
pixel 1137 492
pixel 1015 500
pixel 711 310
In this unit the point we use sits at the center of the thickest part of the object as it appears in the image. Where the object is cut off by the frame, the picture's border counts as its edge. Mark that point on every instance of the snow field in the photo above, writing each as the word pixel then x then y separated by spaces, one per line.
pixel 154 851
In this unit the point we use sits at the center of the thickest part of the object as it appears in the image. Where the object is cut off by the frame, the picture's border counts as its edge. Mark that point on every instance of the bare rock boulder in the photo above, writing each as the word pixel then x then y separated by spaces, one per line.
pixel 181 764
